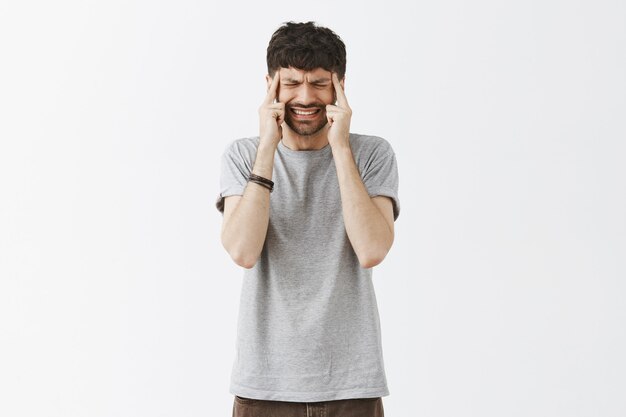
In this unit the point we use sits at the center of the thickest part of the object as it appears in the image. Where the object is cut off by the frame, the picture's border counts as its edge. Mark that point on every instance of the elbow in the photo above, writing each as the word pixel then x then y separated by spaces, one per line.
pixel 239 256
pixel 371 260
pixel 242 260
pixel 374 254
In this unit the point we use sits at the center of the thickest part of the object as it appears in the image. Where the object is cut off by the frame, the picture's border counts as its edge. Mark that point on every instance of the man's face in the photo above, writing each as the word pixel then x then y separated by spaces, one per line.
pixel 305 94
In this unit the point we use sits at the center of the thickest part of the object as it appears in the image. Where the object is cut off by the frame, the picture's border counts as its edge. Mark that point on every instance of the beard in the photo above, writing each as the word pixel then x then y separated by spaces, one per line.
pixel 307 127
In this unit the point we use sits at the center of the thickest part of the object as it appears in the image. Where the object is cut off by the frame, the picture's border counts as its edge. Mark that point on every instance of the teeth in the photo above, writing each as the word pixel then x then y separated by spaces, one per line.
pixel 304 113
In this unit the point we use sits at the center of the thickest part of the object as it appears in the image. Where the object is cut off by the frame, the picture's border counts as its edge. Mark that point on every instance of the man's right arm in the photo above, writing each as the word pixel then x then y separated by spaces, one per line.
pixel 246 217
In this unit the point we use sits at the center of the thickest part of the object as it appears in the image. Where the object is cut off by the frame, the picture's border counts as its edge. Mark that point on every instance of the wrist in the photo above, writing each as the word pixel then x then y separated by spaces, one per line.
pixel 264 160
pixel 267 142
pixel 341 148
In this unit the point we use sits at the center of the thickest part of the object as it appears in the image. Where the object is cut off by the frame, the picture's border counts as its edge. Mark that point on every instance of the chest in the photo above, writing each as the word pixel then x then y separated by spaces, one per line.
pixel 306 200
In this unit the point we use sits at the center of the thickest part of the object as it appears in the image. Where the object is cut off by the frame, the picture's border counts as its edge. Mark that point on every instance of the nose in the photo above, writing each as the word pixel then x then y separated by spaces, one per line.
pixel 306 94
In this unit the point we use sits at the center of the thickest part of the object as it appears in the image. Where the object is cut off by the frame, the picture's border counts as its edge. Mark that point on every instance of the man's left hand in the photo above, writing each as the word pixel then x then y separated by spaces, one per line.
pixel 338 117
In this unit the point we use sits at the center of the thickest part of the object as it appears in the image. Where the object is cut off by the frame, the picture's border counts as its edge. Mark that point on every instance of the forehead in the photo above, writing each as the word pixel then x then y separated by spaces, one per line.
pixel 297 74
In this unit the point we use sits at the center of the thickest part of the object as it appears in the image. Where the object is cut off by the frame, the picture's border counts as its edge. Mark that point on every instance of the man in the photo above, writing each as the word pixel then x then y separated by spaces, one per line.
pixel 308 210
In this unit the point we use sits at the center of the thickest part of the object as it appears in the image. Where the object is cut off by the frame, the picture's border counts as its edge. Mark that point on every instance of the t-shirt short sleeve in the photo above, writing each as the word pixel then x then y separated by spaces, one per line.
pixel 234 173
pixel 381 178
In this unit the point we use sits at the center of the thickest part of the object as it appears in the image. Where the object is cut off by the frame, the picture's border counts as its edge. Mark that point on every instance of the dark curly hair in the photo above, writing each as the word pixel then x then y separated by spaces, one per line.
pixel 306 46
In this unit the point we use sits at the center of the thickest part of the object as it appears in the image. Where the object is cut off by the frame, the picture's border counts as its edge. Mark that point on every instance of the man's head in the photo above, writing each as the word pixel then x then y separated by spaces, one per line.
pixel 306 55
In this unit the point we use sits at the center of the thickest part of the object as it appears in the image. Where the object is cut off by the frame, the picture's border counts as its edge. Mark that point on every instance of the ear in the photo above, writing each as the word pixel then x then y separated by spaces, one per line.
pixel 268 80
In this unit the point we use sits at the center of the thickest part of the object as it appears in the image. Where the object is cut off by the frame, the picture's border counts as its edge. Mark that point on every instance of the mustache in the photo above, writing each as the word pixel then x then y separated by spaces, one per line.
pixel 308 106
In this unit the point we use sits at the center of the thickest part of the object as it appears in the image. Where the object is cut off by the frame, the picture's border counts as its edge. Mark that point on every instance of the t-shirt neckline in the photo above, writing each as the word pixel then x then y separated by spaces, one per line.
pixel 314 153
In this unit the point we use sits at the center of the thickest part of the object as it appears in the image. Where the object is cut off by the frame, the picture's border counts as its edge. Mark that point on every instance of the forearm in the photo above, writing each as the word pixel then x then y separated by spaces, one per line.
pixel 366 227
pixel 244 233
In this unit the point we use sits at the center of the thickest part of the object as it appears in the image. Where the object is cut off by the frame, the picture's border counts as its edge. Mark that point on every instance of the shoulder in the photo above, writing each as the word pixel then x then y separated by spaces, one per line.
pixel 370 146
pixel 242 147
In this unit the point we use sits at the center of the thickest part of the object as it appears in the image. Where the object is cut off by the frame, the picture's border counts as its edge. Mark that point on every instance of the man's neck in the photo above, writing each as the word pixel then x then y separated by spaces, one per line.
pixel 297 142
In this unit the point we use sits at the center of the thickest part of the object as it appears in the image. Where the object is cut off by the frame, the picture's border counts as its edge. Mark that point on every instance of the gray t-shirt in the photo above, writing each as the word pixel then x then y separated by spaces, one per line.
pixel 308 326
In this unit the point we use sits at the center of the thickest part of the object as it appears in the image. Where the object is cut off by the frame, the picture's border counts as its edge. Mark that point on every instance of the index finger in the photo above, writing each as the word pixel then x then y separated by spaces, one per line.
pixel 271 92
pixel 342 100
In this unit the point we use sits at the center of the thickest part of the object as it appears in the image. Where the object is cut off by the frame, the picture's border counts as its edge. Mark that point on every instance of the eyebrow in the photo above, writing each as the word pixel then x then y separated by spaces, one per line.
pixel 317 81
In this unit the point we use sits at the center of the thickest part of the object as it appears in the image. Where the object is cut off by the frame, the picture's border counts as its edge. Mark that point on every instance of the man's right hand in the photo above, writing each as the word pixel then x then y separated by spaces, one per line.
pixel 271 115
pixel 246 217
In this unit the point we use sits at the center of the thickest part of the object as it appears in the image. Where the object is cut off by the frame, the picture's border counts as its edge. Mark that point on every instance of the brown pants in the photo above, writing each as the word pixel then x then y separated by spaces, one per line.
pixel 354 407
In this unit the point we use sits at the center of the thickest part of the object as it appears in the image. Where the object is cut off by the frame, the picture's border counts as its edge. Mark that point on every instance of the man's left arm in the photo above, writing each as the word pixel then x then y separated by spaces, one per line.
pixel 368 220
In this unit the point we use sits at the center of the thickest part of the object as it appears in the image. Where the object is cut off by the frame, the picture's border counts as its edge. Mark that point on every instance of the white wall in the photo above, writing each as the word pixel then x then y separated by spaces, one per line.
pixel 503 294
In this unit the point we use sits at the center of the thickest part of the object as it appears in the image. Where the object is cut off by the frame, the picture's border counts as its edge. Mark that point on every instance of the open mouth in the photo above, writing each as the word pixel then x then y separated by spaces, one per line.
pixel 305 113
